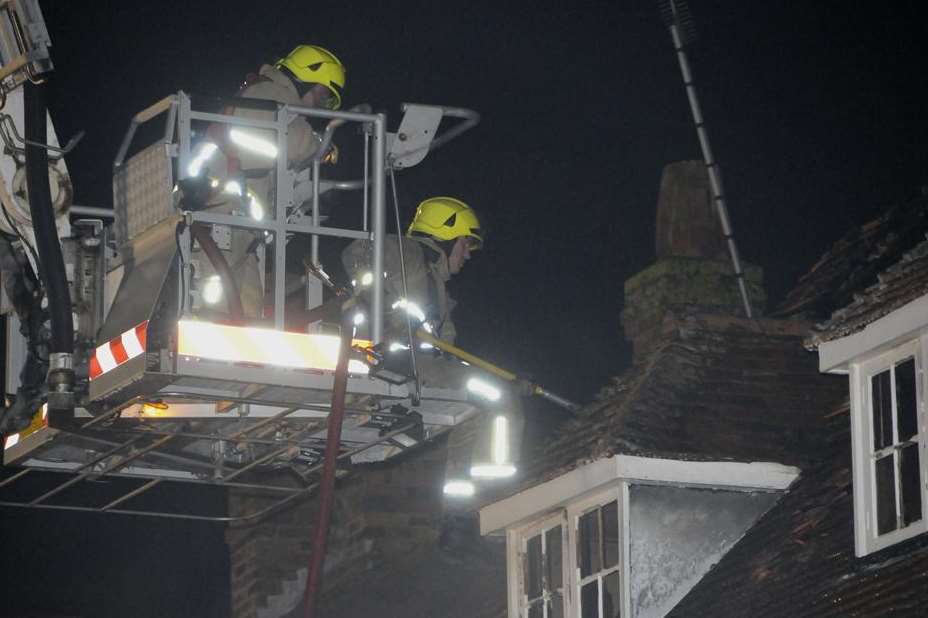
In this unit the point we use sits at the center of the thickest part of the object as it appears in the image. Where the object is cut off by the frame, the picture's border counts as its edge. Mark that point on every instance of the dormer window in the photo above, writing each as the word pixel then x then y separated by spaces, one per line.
pixel 887 409
pixel 625 535
pixel 886 363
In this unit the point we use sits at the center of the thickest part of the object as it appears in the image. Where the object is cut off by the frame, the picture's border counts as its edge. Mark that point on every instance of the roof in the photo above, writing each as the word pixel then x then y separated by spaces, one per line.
pixel 896 286
pixel 853 262
pixel 798 559
pixel 716 388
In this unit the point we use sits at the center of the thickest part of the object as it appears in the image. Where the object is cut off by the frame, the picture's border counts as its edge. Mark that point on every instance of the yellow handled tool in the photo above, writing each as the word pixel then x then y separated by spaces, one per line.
pixel 489 367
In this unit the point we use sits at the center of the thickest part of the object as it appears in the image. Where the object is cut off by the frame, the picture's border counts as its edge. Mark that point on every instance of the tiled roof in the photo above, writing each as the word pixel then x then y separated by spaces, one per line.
pixel 853 262
pixel 899 284
pixel 717 387
pixel 798 560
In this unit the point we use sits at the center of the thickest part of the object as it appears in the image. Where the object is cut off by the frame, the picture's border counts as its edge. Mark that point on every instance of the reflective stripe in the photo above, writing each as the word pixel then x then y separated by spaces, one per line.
pixel 105 358
pixel 130 341
pixel 95 369
pixel 117 351
pixel 262 346
pixel 141 332
pixel 253 143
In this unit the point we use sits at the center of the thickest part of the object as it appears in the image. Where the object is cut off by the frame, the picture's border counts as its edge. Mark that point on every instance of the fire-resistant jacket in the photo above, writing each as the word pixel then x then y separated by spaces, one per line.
pixel 427 272
pixel 302 141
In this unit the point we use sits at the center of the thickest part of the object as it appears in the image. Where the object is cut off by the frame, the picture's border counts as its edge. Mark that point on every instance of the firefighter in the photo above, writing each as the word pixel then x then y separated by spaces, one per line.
pixel 437 245
pixel 309 76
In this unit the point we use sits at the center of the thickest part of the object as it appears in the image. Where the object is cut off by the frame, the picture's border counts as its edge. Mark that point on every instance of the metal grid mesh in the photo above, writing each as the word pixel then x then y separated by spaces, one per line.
pixel 142 192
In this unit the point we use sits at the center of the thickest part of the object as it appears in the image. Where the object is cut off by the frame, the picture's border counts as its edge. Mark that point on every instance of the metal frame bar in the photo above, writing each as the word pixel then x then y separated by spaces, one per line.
pixel 279 225
pixel 294 492
pixel 469 119
pixel 177 140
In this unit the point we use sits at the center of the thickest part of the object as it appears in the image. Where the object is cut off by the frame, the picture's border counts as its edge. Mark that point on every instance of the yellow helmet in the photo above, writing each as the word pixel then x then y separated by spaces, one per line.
pixel 312 64
pixel 447 218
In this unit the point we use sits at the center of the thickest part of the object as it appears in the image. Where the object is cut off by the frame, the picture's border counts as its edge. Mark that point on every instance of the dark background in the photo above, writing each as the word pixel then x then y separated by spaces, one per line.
pixel 815 109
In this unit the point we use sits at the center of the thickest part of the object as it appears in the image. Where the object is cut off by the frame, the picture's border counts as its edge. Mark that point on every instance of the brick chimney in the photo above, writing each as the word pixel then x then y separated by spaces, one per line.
pixel 692 271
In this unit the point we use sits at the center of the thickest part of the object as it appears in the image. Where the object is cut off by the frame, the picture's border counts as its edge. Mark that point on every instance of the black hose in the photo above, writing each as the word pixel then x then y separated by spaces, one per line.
pixel 51 262
pixel 214 254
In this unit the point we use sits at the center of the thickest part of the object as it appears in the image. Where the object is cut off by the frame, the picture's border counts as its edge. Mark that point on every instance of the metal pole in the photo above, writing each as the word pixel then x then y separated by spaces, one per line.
pixel 715 180
pixel 327 483
pixel 236 435
pixel 366 135
pixel 417 394
pixel 378 227
pixel 314 239
pixel 499 372
pixel 283 195
pixel 91 211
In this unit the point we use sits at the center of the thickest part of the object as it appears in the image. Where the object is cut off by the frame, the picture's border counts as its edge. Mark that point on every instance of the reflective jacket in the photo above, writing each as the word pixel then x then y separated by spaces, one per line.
pixel 302 141
pixel 427 273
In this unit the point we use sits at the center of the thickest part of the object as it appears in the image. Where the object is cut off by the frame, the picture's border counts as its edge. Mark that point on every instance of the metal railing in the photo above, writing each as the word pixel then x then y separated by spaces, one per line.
pixel 178 139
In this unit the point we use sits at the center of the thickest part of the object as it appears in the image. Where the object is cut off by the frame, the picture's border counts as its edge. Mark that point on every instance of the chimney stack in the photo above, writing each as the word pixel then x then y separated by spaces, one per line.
pixel 692 272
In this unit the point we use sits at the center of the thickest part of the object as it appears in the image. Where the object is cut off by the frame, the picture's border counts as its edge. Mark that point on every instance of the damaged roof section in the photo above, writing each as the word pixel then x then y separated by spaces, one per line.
pixel 854 262
pixel 898 285
pixel 716 387
pixel 798 560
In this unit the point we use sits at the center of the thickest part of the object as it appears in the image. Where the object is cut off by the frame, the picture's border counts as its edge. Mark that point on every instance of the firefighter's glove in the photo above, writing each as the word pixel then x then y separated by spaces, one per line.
pixel 331 157
pixel 194 193
pixel 524 387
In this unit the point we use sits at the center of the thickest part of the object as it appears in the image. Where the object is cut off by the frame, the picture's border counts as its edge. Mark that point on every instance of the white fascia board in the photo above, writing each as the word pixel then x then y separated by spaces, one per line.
pixel 887 332
pixel 543 498
pixel 736 475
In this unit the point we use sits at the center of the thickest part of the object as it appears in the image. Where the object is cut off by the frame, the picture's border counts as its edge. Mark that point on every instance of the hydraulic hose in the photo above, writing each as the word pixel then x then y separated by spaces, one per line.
pixel 214 254
pixel 330 459
pixel 51 262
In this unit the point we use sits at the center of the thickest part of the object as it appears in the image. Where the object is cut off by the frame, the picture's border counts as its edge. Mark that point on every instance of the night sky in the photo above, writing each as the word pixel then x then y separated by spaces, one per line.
pixel 815 110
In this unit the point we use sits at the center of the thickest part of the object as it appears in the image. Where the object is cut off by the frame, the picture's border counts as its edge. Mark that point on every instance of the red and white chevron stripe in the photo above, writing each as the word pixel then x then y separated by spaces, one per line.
pixel 119 350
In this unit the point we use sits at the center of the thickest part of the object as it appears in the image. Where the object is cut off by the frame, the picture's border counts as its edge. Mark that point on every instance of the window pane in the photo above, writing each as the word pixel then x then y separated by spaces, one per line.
pixel 885 495
pixel 906 399
pixel 589 600
pixel 553 549
pixel 588 550
pixel 556 606
pixel 882 410
pixel 533 568
pixel 611 604
pixel 536 610
pixel 911 493
pixel 610 534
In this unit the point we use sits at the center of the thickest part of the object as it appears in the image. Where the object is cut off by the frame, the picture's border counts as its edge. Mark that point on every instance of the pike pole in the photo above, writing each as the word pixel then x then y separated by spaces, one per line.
pixel 535 389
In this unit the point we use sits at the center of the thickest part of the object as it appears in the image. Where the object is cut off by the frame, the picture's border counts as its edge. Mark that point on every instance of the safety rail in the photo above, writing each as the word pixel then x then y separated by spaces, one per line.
pixel 178 140
pixel 212 427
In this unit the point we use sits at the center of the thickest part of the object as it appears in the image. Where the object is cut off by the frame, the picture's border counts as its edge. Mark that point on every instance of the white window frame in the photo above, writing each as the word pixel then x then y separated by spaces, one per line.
pixel 618 493
pixel 866 539
pixel 516 547
pixel 569 519
pixel 570 495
